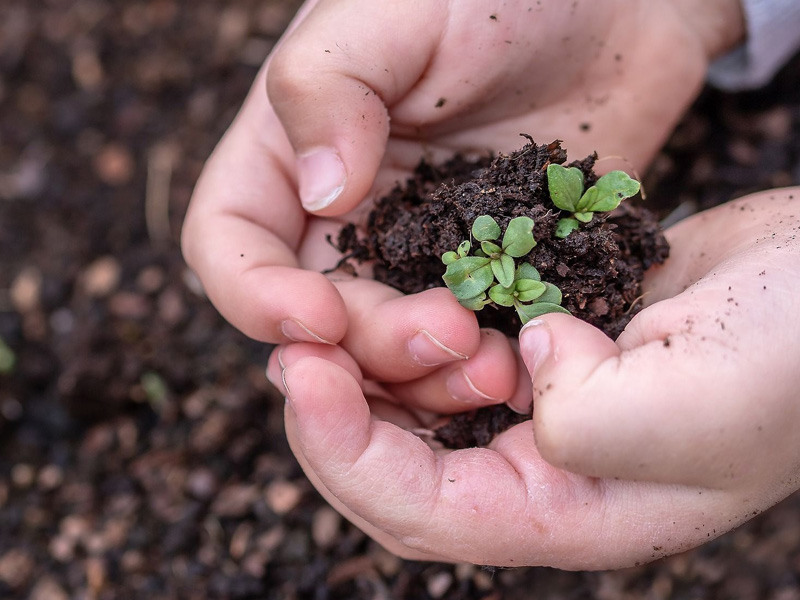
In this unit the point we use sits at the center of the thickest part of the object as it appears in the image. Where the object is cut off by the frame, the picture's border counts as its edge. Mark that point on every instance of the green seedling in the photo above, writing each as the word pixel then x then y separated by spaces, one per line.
pixel 566 190
pixel 7 359
pixel 492 266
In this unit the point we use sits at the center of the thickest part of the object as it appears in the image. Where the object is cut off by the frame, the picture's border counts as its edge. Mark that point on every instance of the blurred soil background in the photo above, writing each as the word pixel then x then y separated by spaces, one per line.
pixel 142 452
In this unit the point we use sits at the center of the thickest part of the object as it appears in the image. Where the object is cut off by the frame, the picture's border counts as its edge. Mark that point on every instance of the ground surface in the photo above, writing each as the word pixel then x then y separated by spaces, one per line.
pixel 141 451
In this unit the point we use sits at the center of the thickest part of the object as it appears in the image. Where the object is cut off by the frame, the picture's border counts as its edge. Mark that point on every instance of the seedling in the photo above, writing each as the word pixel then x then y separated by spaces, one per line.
pixel 492 266
pixel 7 358
pixel 566 191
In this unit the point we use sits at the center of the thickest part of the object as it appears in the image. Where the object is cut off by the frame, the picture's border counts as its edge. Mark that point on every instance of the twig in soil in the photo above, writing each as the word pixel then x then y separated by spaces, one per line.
pixel 160 164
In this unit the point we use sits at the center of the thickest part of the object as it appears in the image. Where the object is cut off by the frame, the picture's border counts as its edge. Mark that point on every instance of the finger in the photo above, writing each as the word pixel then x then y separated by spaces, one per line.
pixel 697 382
pixel 488 377
pixel 286 355
pixel 340 147
pixel 398 338
pixel 502 506
pixel 242 231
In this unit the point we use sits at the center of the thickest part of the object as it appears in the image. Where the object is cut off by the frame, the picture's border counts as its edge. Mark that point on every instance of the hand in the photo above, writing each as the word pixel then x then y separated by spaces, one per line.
pixel 359 90
pixel 684 428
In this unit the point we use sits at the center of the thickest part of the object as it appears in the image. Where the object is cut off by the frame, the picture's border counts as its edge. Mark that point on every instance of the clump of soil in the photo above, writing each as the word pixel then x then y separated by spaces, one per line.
pixel 598 268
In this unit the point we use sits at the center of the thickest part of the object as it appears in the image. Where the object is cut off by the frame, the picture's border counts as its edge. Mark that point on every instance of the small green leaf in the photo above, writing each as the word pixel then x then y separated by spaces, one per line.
pixel 611 189
pixel 527 271
pixel 618 183
pixel 490 248
pixel 503 269
pixel 527 312
pixel 529 290
pixel 518 239
pixel 468 277
pixel 485 228
pixel 155 390
pixel 588 199
pixel 449 257
pixel 501 295
pixel 566 185
pixel 464 248
pixel 474 303
pixel 584 217
pixel 566 226
pixel 551 294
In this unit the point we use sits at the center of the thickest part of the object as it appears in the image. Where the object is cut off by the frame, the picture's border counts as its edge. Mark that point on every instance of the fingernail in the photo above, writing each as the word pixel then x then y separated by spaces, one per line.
pixel 289 397
pixel 297 332
pixel 535 344
pixel 272 373
pixel 519 406
pixel 321 177
pixel 461 388
pixel 429 352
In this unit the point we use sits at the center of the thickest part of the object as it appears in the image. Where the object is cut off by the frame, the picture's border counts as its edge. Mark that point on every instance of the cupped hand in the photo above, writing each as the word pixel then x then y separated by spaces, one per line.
pixel 354 95
pixel 684 428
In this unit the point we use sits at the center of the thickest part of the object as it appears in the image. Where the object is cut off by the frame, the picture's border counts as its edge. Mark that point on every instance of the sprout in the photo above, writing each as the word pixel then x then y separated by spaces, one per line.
pixel 566 191
pixel 493 268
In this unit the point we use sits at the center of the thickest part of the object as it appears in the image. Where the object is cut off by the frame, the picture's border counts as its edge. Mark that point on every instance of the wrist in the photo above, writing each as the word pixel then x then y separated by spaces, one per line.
pixel 719 24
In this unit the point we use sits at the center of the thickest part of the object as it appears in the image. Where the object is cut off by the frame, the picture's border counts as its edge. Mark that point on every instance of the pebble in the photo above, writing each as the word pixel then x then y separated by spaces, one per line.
pixel 439 583
pixel 270 540
pixel 23 475
pixel 211 434
pixel 255 564
pixel 129 305
pixel 387 563
pixel 201 483
pixel 776 123
pixel 62 548
pixel 132 561
pixel 282 496
pixel 325 527
pixel 240 540
pixel 26 290
pixel 95 573
pixel 87 70
pixel 15 568
pixel 114 165
pixel 48 589
pixel 50 477
pixel 150 279
pixel 171 308
pixel 102 277
pixel 74 527
pixel 236 500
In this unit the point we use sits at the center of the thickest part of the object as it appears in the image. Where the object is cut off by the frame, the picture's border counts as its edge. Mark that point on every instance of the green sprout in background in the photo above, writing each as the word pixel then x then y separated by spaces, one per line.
pixel 566 191
pixel 493 267
pixel 7 358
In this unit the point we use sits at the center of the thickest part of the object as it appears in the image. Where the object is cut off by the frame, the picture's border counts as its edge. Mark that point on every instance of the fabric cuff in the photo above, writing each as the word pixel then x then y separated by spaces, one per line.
pixel 773 36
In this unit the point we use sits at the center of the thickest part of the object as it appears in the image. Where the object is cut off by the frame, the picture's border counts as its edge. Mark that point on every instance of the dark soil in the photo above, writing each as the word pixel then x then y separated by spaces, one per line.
pixel 598 268
pixel 114 487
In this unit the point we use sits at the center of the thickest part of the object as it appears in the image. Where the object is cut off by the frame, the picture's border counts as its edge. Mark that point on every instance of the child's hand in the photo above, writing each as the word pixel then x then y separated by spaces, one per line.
pixel 683 429
pixel 359 90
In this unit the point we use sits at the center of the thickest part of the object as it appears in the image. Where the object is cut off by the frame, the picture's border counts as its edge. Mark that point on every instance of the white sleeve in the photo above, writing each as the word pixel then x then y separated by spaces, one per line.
pixel 773 36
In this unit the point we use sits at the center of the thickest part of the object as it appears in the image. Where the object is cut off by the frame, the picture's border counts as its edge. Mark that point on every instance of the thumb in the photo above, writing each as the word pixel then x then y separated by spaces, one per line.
pixel 330 83
pixel 659 411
